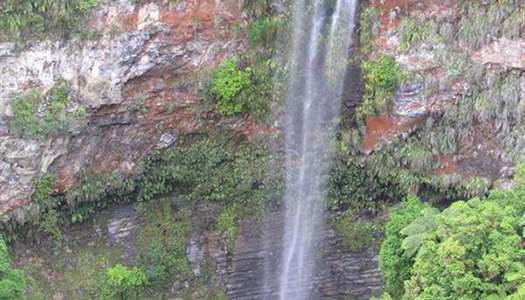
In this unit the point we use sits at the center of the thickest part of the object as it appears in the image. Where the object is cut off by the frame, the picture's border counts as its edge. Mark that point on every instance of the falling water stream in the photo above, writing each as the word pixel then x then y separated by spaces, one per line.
pixel 322 36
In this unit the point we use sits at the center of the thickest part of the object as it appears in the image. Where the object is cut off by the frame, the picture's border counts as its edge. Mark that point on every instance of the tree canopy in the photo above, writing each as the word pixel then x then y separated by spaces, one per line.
pixel 471 250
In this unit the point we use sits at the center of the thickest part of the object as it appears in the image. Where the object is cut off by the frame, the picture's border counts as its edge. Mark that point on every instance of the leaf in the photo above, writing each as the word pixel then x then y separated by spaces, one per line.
pixel 521 222
pixel 411 244
pixel 517 273
pixel 414 228
pixel 422 224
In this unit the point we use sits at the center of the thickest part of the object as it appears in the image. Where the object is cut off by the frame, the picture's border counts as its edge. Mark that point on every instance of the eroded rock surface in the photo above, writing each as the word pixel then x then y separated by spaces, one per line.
pixel 505 52
pixel 251 274
pixel 460 70
pixel 140 80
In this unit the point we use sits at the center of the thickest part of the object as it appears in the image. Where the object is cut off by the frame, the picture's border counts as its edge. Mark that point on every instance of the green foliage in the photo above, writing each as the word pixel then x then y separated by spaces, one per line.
pixel 92 188
pixel 411 32
pixel 122 282
pixel 94 193
pixel 227 225
pixel 514 24
pixel 212 170
pixel 25 121
pixel 12 282
pixel 396 266
pixel 207 284
pixel 44 189
pixel 519 174
pixel 38 18
pixel 415 156
pixel 384 296
pixel 387 175
pixel 51 223
pixel 357 185
pixel 456 61
pixel 39 117
pixel 481 21
pixel 228 80
pixel 263 31
pixel 444 139
pixel 236 89
pixel 369 26
pixel 256 98
pixel 163 240
pixel 416 230
pixel 471 250
pixel 381 76
pixel 357 235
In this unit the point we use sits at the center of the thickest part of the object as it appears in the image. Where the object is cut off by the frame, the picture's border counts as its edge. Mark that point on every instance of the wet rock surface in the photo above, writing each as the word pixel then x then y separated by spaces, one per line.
pixel 122 228
pixel 451 68
pixel 250 273
pixel 125 78
pixel 247 273
pixel 506 52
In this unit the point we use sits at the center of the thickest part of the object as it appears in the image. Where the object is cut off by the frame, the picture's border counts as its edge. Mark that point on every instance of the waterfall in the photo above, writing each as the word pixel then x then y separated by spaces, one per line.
pixel 322 35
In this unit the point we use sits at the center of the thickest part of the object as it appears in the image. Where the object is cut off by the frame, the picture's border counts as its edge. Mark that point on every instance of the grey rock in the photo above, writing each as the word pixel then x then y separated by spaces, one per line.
pixel 250 272
pixel 505 52
pixel 7 49
pixel 133 43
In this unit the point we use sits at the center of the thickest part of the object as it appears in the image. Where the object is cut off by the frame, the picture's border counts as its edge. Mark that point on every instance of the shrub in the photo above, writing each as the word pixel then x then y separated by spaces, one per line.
pixel 411 32
pixel 381 76
pixel 163 240
pixel 357 235
pixel 417 157
pixel 12 282
pixel 44 190
pixel 471 250
pixel 369 28
pixel 359 186
pixel 228 80
pixel 37 18
pixel 39 117
pixel 212 170
pixel 256 98
pixel 25 121
pixel 480 21
pixel 235 89
pixel 227 225
pixel 122 282
pixel 263 31
pixel 95 192
pixel 394 265
pixel 51 223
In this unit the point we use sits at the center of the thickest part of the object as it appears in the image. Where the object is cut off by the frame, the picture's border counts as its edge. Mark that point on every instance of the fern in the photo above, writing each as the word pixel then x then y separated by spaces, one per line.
pixel 40 18
pixel 415 232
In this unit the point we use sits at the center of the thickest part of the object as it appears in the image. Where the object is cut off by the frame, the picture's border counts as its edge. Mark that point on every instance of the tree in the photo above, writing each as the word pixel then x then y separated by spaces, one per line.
pixel 475 251
pixel 394 265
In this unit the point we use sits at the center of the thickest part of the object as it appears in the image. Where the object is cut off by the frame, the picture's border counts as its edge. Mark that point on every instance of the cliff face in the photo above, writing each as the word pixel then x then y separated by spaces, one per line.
pixel 462 98
pixel 139 78
pixel 341 273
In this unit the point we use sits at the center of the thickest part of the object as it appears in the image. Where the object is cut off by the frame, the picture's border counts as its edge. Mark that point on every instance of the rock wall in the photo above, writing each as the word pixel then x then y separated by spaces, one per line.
pixel 113 236
pixel 140 79
pixel 465 86
pixel 251 274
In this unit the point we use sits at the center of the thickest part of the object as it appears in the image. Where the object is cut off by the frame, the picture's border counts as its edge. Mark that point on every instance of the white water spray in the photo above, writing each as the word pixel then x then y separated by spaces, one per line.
pixel 321 42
